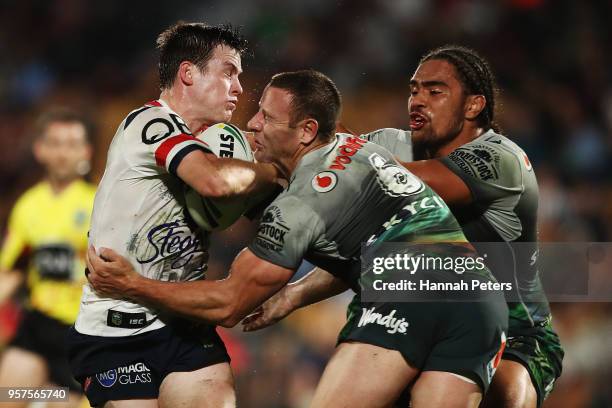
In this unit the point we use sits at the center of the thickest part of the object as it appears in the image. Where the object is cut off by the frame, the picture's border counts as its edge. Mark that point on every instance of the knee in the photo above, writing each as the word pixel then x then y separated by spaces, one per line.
pixel 219 394
pixel 510 392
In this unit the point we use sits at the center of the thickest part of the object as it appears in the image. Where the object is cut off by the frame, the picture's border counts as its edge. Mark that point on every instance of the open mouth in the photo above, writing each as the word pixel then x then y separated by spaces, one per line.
pixel 417 121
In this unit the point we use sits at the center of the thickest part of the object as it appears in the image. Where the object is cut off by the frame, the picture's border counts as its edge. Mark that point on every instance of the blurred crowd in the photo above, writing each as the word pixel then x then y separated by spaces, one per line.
pixel 553 68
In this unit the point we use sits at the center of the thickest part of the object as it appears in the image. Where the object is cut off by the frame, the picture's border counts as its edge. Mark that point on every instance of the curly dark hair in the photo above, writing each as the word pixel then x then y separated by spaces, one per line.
pixel 475 74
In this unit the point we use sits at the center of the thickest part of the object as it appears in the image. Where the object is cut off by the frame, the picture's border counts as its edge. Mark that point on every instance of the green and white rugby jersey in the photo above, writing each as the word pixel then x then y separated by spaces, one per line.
pixel 343 194
pixel 504 209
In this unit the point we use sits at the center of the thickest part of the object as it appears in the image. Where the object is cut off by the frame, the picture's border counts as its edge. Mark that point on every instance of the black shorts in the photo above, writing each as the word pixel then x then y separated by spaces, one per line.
pixel 538 349
pixel 133 367
pixel 465 338
pixel 45 336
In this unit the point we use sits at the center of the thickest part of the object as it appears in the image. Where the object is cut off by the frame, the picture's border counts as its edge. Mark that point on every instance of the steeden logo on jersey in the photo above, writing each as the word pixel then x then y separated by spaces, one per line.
pixel 173 240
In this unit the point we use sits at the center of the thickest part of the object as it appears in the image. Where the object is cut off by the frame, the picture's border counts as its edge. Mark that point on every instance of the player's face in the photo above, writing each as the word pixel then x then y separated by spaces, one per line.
pixel 436 103
pixel 216 88
pixel 63 149
pixel 275 139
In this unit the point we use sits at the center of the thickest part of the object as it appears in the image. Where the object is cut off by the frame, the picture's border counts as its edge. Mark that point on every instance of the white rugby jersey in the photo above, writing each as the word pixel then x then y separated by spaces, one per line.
pixel 139 211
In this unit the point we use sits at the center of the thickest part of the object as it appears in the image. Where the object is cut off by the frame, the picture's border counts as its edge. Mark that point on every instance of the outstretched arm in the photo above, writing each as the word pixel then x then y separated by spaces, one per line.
pixel 225 302
pixel 450 187
pixel 442 180
pixel 316 286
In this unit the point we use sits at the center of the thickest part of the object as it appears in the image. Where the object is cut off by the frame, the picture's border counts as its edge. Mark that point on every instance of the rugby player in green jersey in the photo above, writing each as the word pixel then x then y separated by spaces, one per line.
pixel 490 185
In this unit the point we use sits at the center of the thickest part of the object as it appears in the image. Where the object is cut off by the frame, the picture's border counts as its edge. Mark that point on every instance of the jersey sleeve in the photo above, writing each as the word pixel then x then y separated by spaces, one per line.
pixel 397 141
pixel 287 231
pixel 15 240
pixel 157 139
pixel 490 170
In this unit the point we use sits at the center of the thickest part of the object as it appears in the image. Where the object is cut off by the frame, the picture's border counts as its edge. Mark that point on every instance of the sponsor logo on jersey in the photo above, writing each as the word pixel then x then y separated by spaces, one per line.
pixel 393 324
pixel 527 162
pixel 425 203
pixel 345 151
pixel 172 240
pixel 272 230
pixel 394 179
pixel 479 161
pixel 273 213
pixel 324 182
pixel 159 128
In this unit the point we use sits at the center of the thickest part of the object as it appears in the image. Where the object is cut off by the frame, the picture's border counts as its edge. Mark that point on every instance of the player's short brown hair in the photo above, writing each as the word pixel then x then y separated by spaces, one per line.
pixel 314 96
pixel 193 42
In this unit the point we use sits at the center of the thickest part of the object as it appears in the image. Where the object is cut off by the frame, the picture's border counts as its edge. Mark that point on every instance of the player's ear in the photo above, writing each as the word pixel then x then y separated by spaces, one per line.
pixel 186 72
pixel 308 129
pixel 474 104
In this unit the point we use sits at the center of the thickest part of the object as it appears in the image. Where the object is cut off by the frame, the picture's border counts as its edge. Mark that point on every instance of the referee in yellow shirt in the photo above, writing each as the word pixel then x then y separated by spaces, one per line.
pixel 48 225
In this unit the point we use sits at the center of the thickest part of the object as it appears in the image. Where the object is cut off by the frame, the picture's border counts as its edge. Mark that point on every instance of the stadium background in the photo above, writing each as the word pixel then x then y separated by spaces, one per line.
pixel 549 56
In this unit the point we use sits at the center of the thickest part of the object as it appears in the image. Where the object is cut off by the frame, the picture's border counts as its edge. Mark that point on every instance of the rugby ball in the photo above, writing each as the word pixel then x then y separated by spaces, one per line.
pixel 211 214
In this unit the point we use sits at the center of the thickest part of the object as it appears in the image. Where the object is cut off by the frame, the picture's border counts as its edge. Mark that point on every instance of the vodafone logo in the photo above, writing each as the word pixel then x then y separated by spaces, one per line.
pixel 527 162
pixel 324 181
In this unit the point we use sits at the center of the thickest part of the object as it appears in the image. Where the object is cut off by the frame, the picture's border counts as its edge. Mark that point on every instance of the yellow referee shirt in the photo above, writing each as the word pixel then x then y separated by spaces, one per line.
pixel 51 229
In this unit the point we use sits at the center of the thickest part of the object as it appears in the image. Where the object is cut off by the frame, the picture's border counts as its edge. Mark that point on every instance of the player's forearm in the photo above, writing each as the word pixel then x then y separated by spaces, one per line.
pixel 223 178
pixel 203 300
pixel 444 182
pixel 242 178
pixel 318 285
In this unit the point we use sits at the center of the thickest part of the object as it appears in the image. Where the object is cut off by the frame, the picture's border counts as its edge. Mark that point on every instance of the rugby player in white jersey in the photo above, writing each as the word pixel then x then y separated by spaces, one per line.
pixel 123 353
